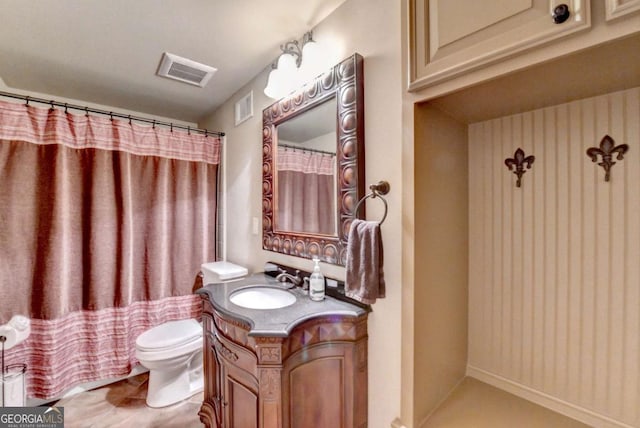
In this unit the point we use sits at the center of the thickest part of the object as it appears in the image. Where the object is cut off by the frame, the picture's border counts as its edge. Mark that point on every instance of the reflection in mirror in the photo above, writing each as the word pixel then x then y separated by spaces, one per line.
pixel 306 172
pixel 313 219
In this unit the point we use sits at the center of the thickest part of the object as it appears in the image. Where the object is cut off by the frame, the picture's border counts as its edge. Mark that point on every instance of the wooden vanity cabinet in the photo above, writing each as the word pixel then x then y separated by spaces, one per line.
pixel 315 377
pixel 211 411
pixel 319 391
pixel 239 393
pixel 231 385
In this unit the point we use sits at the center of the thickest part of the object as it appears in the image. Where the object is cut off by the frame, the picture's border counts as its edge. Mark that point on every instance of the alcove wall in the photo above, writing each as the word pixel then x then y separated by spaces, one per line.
pixel 532 289
pixel 441 257
pixel 554 298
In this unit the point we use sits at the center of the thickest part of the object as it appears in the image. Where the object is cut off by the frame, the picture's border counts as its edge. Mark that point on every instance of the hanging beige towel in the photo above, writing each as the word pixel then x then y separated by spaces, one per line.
pixel 364 276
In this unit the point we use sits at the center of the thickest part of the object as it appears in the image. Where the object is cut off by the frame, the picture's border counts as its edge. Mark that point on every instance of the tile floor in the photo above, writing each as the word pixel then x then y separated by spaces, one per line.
pixel 122 405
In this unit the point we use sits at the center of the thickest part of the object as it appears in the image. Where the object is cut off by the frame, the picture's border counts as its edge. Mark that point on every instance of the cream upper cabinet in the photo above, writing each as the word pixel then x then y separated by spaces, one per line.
pixel 619 8
pixel 452 37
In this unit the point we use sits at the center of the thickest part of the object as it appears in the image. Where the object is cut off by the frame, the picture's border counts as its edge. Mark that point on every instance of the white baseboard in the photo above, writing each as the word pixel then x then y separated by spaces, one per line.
pixel 545 400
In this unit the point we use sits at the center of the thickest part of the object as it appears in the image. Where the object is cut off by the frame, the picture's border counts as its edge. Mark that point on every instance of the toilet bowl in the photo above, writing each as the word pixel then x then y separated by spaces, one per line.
pixel 173 354
pixel 173 351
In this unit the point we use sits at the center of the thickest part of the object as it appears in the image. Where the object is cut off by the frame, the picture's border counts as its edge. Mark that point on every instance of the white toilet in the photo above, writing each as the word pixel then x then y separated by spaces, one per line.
pixel 173 354
pixel 173 351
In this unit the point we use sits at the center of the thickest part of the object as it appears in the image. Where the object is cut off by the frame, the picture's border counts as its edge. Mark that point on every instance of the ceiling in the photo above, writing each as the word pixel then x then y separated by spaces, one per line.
pixel 108 52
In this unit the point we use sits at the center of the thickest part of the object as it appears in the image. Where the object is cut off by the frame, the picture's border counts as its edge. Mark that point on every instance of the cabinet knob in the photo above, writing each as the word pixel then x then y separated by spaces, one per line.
pixel 561 13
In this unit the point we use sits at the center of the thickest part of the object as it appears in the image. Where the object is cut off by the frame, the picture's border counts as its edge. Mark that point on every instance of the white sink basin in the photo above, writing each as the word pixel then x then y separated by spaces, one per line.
pixel 262 297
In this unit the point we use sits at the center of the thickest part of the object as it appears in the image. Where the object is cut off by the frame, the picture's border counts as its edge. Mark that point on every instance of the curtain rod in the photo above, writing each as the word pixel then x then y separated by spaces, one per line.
pixel 304 149
pixel 111 114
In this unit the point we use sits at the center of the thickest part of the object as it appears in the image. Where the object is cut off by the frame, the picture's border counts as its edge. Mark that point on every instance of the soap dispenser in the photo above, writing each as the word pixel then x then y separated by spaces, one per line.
pixel 316 282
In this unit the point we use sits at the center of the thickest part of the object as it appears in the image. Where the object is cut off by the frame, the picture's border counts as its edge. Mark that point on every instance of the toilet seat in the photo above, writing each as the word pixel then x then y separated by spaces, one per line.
pixel 169 335
pixel 151 355
pixel 169 340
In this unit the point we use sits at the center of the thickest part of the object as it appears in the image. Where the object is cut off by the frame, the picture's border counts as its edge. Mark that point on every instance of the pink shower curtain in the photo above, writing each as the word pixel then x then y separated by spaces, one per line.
pixel 103 227
pixel 306 189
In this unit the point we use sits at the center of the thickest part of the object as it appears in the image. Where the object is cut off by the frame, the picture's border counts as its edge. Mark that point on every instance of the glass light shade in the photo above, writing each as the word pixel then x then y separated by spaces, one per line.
pixel 270 89
pixel 283 79
pixel 289 74
pixel 277 84
pixel 312 64
pixel 287 63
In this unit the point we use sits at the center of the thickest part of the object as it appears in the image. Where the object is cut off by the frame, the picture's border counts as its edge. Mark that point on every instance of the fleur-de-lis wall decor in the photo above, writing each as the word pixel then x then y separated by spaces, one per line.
pixel 607 149
pixel 517 164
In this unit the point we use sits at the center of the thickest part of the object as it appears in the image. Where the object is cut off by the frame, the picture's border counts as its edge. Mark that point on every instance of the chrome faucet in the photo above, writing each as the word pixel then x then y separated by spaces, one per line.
pixel 295 280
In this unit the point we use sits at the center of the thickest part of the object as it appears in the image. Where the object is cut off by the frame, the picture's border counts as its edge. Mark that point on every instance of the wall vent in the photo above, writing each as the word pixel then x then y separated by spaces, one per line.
pixel 185 70
pixel 244 108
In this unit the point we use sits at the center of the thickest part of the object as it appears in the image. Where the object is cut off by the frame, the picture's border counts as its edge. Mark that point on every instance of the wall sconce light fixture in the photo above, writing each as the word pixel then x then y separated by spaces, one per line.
pixel 294 67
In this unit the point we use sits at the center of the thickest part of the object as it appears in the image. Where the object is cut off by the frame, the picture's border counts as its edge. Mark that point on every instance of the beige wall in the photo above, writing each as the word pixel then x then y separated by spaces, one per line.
pixel 553 272
pixel 372 29
pixel 554 299
pixel 441 265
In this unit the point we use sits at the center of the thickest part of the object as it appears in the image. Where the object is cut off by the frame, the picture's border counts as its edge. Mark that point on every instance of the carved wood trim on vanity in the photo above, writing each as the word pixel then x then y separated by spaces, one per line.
pixel 270 354
pixel 274 368
pixel 325 329
pixel 235 331
pixel 226 352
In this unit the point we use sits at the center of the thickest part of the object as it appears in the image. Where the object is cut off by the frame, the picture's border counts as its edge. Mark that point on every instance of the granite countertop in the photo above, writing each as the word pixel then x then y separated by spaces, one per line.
pixel 274 322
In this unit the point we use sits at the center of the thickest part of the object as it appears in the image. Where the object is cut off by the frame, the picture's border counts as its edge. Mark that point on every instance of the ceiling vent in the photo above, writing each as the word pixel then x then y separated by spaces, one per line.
pixel 185 70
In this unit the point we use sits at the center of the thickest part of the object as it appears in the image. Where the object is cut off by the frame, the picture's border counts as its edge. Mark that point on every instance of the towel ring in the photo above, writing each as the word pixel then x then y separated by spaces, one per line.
pixel 377 190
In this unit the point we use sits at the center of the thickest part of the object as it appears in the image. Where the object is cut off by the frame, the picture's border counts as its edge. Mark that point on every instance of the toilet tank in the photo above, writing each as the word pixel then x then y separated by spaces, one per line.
pixel 213 272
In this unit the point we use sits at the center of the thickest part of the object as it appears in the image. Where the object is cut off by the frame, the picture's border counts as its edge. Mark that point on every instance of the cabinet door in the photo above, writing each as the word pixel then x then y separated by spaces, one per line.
pixel 449 38
pixel 240 397
pixel 239 385
pixel 618 8
pixel 321 388
pixel 212 383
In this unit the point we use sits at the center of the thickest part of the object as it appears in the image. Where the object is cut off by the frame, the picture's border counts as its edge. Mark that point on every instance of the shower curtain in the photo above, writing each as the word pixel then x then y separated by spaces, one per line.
pixel 103 227
pixel 306 191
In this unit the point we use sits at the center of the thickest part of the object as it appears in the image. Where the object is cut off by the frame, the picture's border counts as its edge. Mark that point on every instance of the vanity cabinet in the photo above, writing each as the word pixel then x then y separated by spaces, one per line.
pixel 238 392
pixel 314 377
pixel 454 44
pixel 319 391
pixel 231 385
pixel 211 413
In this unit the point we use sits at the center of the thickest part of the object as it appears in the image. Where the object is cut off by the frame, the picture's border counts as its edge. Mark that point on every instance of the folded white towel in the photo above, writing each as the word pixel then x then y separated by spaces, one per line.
pixel 364 269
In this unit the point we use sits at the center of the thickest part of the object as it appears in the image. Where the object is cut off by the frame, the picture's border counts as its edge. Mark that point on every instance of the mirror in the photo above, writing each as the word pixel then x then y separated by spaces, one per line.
pixel 313 165
pixel 305 168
